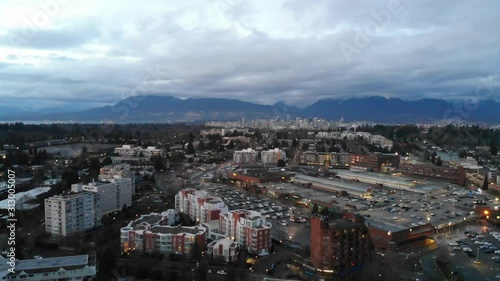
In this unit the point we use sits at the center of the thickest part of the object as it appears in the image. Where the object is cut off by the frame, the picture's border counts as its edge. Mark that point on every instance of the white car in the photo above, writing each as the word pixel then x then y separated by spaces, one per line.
pixel 478 242
pixel 38 257
pixel 221 272
pixel 497 252
pixel 395 218
pixel 453 244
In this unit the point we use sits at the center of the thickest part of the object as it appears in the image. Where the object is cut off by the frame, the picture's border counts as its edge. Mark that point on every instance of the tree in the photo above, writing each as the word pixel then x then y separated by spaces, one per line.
pixel 190 148
pixel 314 210
pixel 325 212
pixel 281 163
pixel 433 157
pixel 201 146
pixel 493 146
pixel 196 251
pixel 439 162
pixel 107 161
pixel 463 154
pixel 485 183
pixel 107 260
pixel 158 163
pixel 94 166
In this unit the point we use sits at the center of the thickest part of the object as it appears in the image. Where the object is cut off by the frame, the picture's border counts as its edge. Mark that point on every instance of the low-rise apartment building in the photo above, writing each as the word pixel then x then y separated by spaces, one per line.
pixel 246 156
pixel 272 156
pixel 150 234
pixel 75 268
pixel 249 229
pixel 225 250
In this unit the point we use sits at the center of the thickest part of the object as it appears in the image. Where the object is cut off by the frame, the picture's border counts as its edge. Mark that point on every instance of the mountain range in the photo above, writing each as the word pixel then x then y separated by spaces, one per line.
pixel 141 109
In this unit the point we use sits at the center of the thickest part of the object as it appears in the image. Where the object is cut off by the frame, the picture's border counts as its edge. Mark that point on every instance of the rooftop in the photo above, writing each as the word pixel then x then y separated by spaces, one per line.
pixel 177 229
pixel 46 263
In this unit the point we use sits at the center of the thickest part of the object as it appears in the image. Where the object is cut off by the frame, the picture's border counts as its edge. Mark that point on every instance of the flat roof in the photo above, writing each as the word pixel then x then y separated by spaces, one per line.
pixel 176 229
pixel 151 219
pixel 45 263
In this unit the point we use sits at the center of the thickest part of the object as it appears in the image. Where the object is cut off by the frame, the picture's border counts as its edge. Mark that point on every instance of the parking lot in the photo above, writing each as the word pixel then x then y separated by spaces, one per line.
pixel 406 210
pixel 290 223
pixel 475 250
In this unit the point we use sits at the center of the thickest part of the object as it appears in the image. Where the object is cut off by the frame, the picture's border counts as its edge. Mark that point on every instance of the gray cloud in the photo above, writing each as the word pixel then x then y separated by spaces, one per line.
pixel 260 51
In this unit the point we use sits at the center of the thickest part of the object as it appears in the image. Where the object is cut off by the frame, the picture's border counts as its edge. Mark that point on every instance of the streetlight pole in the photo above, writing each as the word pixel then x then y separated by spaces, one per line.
pixel 477 255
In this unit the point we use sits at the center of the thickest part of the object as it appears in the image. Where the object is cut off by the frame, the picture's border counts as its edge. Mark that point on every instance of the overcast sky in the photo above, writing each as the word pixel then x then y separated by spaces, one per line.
pixel 91 53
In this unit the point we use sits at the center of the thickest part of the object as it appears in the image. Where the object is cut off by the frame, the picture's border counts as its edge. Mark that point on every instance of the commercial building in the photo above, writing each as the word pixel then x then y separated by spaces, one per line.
pixel 199 205
pixel 71 213
pixel 447 174
pixel 224 249
pixel 112 195
pixel 339 244
pixel 338 160
pixel 246 156
pixel 251 177
pixel 58 268
pixel 249 229
pixel 272 156
pixel 137 151
pixel 150 234
pixel 374 163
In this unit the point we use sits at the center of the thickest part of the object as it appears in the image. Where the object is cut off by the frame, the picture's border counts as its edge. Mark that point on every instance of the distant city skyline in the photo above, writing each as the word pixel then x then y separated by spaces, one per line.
pixel 83 54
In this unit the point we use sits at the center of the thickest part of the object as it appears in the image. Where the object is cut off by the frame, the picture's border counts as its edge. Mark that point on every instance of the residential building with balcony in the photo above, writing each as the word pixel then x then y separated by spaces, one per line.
pixel 150 234
pixel 249 229
pixel 199 205
pixel 113 193
pixel 339 245
pixel 246 156
pixel 71 213
pixel 272 156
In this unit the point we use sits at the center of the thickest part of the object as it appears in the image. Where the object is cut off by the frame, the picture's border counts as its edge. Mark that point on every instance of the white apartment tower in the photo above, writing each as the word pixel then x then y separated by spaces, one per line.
pixel 272 156
pixel 70 213
pixel 113 194
pixel 245 156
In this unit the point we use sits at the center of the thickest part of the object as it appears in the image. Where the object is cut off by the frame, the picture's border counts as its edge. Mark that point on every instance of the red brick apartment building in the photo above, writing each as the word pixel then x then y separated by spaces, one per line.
pixel 339 244
pixel 447 174
pixel 375 162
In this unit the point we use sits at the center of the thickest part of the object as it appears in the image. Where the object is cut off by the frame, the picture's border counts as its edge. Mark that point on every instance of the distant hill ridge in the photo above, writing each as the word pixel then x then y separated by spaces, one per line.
pixel 154 108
